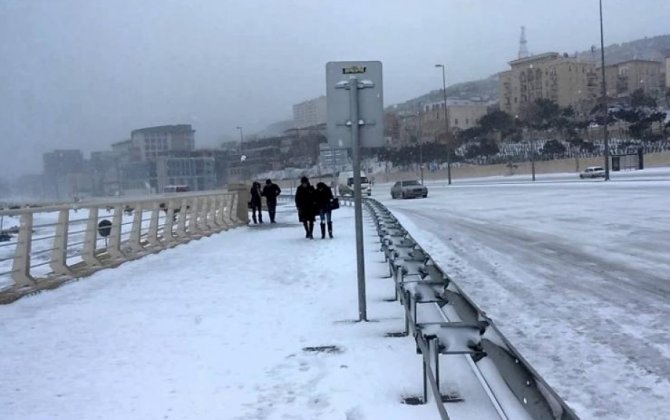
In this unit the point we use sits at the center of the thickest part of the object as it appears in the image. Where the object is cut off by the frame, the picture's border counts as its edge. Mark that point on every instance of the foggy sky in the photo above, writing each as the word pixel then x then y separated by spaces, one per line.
pixel 84 73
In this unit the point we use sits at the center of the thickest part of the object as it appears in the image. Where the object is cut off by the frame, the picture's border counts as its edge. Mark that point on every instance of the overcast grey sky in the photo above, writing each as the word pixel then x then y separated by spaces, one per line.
pixel 84 73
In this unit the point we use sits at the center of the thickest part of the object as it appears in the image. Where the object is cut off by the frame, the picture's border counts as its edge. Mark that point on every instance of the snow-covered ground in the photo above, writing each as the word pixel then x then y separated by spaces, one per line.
pixel 576 274
pixel 216 329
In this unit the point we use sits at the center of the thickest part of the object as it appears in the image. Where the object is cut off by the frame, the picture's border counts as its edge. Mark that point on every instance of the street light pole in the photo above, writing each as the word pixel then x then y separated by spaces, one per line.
pixel 446 119
pixel 241 137
pixel 604 95
pixel 419 138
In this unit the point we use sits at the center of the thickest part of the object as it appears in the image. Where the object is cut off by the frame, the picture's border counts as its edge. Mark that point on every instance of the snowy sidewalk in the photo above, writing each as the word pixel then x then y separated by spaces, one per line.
pixel 216 329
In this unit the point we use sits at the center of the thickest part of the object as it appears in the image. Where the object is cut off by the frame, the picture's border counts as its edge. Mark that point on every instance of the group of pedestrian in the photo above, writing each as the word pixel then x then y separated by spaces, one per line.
pixel 311 201
pixel 270 191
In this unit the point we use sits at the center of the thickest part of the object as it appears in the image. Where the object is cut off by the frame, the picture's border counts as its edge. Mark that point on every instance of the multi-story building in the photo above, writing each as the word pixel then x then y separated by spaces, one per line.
pixel 196 172
pixel 154 141
pixel 64 173
pixel 565 80
pixel 463 114
pixel 627 77
pixel 63 162
pixel 667 72
pixel 310 113
pixel 104 168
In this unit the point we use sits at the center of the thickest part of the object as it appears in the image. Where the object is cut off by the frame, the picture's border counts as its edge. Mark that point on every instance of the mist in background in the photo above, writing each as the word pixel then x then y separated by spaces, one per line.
pixel 84 73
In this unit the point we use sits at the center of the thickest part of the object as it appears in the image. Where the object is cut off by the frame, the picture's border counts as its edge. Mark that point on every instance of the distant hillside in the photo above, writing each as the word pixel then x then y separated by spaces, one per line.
pixel 654 48
pixel 484 89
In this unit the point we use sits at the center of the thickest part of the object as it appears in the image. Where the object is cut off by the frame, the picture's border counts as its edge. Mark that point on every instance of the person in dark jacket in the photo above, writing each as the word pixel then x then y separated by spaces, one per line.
pixel 271 192
pixel 324 195
pixel 256 202
pixel 305 202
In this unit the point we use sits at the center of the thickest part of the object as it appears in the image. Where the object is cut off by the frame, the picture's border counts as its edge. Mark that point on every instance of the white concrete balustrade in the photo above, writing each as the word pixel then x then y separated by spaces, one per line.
pixel 58 243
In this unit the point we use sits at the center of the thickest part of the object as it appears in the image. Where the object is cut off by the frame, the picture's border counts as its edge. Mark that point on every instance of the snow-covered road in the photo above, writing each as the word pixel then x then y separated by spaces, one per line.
pixel 577 274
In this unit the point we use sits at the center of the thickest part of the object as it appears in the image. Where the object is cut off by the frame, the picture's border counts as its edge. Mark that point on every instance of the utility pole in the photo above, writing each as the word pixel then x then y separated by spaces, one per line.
pixel 446 120
pixel 419 137
pixel 604 96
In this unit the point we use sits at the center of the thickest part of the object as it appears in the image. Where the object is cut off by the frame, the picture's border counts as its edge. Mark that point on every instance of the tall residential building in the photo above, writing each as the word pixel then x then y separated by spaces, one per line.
pixel 310 113
pixel 667 72
pixel 565 80
pixel 154 141
pixel 629 76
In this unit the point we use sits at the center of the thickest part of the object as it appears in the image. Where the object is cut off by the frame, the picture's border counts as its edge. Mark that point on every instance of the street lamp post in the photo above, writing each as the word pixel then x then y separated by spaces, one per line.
pixel 446 119
pixel 604 96
pixel 241 137
pixel 419 135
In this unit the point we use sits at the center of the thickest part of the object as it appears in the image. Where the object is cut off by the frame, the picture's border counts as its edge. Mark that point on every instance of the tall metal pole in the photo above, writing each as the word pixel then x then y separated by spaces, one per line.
pixel 446 120
pixel 604 96
pixel 419 136
pixel 358 205
pixel 241 137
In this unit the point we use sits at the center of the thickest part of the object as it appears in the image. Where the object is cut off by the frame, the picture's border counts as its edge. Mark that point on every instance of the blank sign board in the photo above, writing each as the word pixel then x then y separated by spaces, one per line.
pixel 370 103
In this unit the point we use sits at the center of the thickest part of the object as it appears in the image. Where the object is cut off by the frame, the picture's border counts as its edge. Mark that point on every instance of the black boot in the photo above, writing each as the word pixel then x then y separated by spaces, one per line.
pixel 311 230
pixel 306 226
pixel 323 231
pixel 253 216
pixel 330 230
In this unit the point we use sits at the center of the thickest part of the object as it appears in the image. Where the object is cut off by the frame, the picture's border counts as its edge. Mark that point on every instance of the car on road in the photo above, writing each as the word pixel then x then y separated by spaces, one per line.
pixel 408 189
pixel 593 172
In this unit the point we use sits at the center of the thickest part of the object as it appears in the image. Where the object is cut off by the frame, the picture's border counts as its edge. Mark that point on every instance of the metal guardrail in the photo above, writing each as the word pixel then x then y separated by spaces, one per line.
pixel 458 327
pixel 54 245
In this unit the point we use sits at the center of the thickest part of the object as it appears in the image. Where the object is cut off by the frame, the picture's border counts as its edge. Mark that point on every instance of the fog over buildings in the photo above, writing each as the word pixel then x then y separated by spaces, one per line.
pixel 82 74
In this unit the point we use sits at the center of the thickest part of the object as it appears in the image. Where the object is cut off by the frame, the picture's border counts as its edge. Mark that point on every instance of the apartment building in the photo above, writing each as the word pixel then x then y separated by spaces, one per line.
pixel 627 77
pixel 310 113
pixel 568 81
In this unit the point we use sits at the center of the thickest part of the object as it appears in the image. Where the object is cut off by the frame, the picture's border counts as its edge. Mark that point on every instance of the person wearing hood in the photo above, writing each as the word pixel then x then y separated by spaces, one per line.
pixel 271 191
pixel 324 196
pixel 256 202
pixel 305 202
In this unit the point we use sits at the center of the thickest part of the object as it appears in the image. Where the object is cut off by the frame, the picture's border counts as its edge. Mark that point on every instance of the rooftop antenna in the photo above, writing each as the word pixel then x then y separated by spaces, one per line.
pixel 523 44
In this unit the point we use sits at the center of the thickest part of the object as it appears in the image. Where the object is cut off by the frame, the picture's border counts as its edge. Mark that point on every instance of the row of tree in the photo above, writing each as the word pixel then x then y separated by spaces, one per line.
pixel 542 118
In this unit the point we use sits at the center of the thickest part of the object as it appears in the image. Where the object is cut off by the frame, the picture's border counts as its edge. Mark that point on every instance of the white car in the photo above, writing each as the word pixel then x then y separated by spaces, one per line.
pixel 593 172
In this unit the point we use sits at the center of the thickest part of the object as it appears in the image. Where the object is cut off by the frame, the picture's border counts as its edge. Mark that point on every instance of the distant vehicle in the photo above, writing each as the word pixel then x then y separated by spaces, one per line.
pixel 408 189
pixel 175 188
pixel 593 172
pixel 345 184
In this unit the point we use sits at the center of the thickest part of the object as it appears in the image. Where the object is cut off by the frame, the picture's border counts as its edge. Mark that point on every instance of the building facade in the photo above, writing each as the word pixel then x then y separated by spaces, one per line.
pixel 310 113
pixel 627 77
pixel 463 114
pixel 155 141
pixel 196 172
pixel 667 72
pixel 565 80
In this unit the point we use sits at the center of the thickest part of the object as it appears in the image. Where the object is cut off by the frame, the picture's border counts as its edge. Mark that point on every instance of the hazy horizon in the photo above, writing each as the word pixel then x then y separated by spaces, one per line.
pixel 82 74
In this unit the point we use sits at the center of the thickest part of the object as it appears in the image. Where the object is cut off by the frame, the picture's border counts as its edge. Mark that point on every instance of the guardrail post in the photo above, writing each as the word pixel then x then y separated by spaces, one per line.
pixel 168 237
pixel 152 235
pixel 21 263
pixel 135 240
pixel 59 255
pixel 183 214
pixel 193 219
pixel 114 246
pixel 228 211
pixel 90 239
pixel 220 208
pixel 202 220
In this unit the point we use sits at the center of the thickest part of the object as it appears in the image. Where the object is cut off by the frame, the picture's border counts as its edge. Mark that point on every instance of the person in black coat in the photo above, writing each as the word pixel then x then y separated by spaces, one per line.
pixel 305 202
pixel 256 202
pixel 324 196
pixel 271 192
